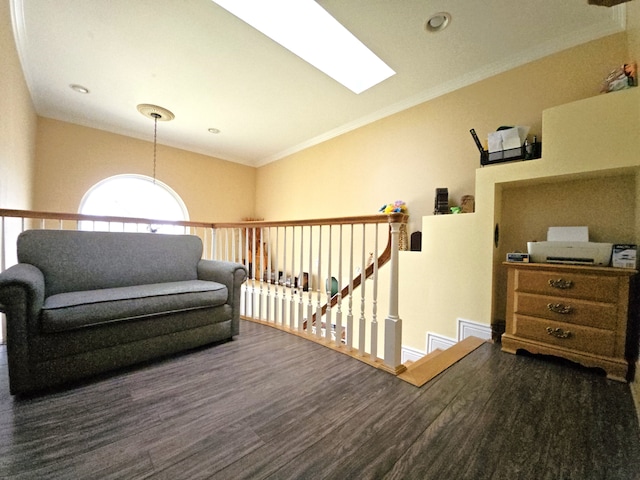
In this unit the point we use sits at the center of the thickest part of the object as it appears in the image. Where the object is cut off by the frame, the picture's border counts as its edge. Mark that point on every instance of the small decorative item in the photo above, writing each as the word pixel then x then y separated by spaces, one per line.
pixel 467 204
pixel 442 201
pixel 622 77
pixel 396 207
pixel 370 259
pixel 416 241
pixel 403 240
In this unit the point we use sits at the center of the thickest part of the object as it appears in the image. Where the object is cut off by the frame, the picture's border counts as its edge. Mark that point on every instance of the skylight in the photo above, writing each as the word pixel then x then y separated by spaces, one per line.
pixel 306 29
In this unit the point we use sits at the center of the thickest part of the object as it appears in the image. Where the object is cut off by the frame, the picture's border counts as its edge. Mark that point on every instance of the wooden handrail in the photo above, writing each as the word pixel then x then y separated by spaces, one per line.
pixel 80 217
pixel 368 219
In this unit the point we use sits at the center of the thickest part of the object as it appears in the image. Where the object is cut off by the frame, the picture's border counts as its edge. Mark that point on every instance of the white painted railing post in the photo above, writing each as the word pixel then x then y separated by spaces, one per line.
pixel 349 332
pixel 393 324
pixel 249 307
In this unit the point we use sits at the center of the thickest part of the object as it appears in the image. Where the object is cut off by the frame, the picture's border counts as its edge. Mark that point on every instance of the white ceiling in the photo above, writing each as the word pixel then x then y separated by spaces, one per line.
pixel 213 71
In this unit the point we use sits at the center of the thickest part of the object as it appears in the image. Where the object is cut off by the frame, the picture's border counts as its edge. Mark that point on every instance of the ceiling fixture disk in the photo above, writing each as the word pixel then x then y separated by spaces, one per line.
pixel 78 88
pixel 155 112
pixel 437 22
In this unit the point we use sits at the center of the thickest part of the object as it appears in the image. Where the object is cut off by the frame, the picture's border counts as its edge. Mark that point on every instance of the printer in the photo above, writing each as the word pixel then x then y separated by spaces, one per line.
pixel 570 245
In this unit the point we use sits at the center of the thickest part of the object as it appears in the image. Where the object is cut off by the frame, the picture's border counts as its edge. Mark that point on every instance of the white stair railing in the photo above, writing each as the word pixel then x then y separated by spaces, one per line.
pixel 304 276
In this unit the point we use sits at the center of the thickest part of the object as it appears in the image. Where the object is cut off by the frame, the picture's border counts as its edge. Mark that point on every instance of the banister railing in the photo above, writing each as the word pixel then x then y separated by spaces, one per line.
pixel 12 222
pixel 305 276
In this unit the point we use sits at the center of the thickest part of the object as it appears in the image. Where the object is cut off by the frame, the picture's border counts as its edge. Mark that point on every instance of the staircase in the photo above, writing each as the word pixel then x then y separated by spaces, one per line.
pixel 431 365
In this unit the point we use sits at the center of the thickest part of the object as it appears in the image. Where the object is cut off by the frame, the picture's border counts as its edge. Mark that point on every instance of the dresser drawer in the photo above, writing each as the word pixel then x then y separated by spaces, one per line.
pixel 568 284
pixel 574 311
pixel 566 335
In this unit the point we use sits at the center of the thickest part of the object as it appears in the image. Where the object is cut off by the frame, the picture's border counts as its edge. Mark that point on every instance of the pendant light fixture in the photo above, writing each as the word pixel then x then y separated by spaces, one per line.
pixel 156 113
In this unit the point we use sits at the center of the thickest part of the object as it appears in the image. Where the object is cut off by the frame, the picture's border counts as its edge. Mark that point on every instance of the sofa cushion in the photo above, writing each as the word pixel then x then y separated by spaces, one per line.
pixel 68 311
pixel 74 260
pixel 47 346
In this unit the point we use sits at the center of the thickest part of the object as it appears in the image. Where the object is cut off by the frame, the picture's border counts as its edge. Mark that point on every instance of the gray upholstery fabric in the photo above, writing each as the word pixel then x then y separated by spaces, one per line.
pixel 80 303
pixel 112 334
pixel 230 274
pixel 28 278
pixel 66 311
pixel 71 260
pixel 73 367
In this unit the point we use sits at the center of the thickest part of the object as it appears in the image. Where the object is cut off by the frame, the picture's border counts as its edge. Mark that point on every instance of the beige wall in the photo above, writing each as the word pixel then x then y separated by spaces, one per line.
pixel 409 154
pixel 17 123
pixel 633 30
pixel 591 148
pixel 72 158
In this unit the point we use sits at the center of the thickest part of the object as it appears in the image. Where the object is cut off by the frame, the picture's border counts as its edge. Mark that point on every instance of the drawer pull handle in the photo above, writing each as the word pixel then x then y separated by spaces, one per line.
pixel 560 283
pixel 558 332
pixel 559 308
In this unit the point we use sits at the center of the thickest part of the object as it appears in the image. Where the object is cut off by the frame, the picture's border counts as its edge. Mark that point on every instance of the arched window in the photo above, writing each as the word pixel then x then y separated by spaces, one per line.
pixel 133 196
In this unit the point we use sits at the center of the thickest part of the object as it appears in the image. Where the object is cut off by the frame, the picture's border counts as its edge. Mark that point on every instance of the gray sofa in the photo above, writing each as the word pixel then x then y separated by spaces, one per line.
pixel 80 303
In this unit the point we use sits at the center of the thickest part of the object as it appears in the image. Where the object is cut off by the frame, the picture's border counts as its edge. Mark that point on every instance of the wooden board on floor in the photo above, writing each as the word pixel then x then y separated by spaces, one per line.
pixel 430 366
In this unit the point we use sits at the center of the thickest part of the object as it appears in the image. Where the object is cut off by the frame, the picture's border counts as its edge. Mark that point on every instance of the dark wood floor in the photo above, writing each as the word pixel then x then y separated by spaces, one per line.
pixel 272 405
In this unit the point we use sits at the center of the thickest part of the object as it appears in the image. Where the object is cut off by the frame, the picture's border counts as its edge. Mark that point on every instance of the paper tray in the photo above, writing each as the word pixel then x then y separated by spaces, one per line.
pixel 488 158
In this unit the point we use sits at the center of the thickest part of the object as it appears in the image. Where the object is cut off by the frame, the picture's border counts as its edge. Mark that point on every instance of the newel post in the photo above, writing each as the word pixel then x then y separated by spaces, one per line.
pixel 393 323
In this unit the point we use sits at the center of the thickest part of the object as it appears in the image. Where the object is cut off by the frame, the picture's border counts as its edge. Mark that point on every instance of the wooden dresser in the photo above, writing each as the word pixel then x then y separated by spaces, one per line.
pixel 579 313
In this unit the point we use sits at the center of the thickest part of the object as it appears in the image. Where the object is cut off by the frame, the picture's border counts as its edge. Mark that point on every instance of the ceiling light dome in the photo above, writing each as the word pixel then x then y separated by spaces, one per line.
pixel 155 112
pixel 437 22
pixel 78 88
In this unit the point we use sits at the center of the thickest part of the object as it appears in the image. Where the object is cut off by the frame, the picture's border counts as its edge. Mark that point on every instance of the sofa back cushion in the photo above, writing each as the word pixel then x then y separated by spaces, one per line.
pixel 74 261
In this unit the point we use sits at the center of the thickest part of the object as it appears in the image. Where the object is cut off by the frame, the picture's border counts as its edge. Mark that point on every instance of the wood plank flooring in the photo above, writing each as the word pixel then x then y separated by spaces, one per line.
pixel 270 405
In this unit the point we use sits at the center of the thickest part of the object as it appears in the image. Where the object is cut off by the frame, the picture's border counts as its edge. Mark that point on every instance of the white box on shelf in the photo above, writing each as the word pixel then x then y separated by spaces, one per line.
pixel 624 256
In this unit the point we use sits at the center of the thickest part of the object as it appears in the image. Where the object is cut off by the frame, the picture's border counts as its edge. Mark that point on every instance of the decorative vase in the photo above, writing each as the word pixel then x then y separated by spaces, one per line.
pixel 403 242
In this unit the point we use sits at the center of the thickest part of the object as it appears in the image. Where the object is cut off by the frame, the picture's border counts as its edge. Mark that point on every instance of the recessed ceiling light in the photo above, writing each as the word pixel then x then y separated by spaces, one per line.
pixel 78 88
pixel 437 22
pixel 309 31
pixel 213 130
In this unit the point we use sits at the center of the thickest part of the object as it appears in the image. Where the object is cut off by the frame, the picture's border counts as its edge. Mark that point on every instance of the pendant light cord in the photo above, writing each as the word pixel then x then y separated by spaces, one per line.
pixel 155 136
pixel 157 113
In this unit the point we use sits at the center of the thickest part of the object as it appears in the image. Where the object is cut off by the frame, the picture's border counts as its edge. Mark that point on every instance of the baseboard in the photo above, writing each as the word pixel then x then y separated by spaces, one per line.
pixel 408 354
pixel 467 328
pixel 438 342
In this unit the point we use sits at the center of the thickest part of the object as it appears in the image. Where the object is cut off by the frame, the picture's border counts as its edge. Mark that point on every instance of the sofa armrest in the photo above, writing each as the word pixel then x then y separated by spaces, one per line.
pixel 21 299
pixel 230 274
pixel 22 285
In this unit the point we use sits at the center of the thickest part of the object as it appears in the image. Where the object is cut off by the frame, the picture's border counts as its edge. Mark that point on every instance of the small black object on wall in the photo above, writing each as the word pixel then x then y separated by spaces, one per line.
pixel 442 201
pixel 416 242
